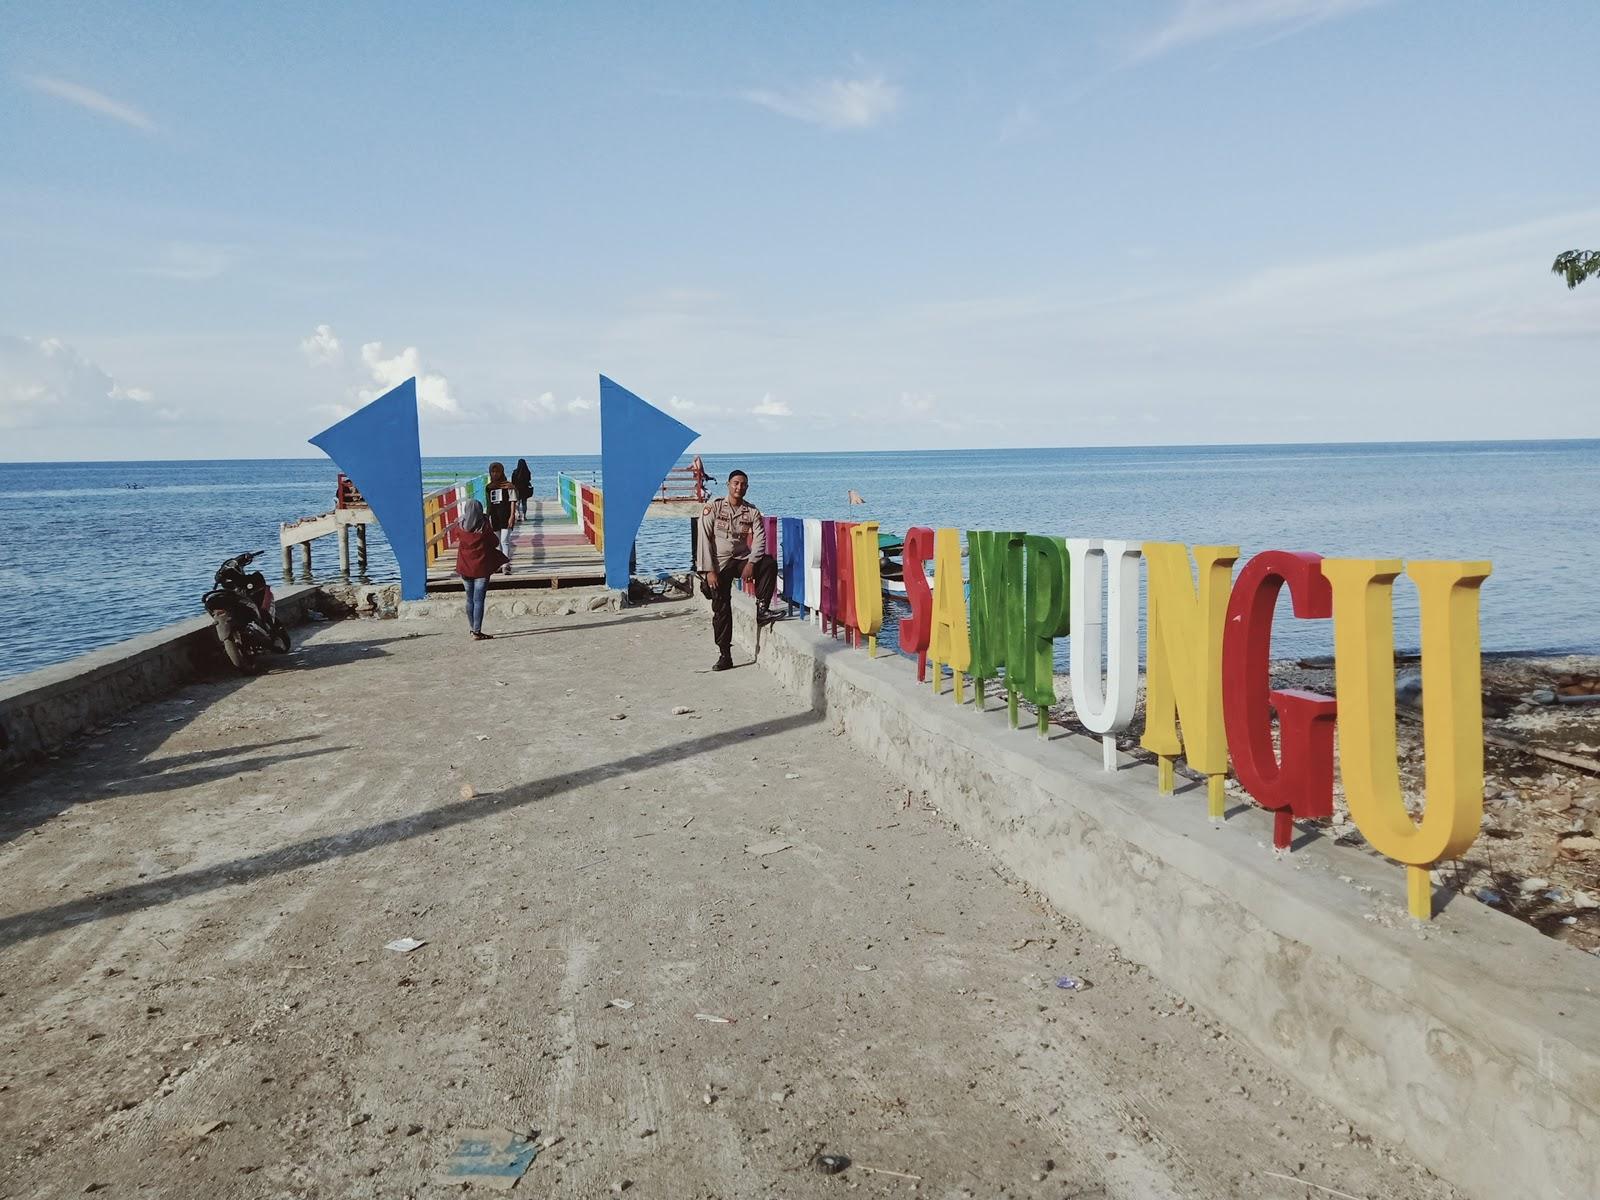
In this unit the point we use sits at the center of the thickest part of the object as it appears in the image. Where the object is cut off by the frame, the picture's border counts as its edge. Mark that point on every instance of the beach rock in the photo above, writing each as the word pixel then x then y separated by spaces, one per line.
pixel 1408 689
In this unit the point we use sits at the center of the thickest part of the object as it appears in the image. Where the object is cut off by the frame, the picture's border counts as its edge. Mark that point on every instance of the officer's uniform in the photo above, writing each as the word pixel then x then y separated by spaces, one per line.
pixel 729 536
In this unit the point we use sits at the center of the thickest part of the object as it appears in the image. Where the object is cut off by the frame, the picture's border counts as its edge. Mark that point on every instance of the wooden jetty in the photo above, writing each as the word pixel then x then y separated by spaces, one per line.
pixel 349 509
pixel 548 550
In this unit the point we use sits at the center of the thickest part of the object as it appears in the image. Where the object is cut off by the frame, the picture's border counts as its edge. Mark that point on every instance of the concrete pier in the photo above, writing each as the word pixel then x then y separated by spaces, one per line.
pixel 691 948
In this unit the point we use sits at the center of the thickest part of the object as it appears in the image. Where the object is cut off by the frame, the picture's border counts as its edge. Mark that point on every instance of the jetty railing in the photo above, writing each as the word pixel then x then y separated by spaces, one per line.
pixel 441 508
pixel 585 504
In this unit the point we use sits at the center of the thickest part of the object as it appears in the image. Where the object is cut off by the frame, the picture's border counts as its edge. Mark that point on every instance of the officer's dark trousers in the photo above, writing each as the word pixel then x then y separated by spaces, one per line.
pixel 766 572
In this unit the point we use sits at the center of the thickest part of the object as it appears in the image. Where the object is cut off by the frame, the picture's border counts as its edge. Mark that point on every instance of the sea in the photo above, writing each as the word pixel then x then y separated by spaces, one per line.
pixel 93 553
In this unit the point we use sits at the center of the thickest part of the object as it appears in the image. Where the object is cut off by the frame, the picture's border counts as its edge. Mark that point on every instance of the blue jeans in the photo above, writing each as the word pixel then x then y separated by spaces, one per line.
pixel 477 593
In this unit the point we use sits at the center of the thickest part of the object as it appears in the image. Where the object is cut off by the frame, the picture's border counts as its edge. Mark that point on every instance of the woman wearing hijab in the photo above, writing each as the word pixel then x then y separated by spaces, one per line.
pixel 502 508
pixel 478 556
pixel 522 480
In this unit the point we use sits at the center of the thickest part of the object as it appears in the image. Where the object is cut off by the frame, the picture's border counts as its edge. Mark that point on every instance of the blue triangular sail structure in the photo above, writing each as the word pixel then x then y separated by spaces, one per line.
pixel 638 446
pixel 380 448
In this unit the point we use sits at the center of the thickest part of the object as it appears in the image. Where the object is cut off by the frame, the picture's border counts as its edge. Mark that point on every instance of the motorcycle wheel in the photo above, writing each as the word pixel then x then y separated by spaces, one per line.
pixel 238 655
pixel 280 637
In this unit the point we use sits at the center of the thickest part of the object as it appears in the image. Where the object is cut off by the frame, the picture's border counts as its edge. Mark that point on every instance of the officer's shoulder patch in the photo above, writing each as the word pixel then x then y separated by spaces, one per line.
pixel 706 511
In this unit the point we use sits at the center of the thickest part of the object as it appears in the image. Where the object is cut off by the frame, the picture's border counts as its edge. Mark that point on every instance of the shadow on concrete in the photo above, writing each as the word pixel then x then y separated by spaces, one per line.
pixel 23 927
pixel 580 626
pixel 36 792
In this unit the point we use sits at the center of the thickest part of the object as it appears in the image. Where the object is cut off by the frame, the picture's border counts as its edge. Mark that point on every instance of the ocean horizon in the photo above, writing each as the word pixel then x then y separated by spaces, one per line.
pixel 101 551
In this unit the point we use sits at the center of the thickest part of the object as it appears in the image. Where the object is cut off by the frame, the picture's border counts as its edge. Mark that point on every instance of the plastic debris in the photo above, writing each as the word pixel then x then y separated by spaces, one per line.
pixel 1488 896
pixel 482 737
pixel 715 1020
pixel 624 1005
pixel 863 967
pixel 619 716
pixel 496 1158
pixel 1071 983
pixel 682 710
pixel 831 1164
pixel 760 849
pixel 404 945
pixel 791 775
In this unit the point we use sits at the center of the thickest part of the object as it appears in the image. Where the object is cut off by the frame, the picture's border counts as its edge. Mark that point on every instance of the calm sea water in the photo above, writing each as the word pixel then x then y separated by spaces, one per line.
pixel 96 552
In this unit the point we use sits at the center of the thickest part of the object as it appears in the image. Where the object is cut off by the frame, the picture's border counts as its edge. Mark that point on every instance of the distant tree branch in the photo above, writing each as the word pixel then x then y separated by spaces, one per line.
pixel 1576 265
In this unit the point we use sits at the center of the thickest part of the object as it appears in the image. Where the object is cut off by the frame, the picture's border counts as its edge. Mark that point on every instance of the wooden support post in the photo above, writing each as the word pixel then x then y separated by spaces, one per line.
pixel 1216 796
pixel 361 549
pixel 1108 752
pixel 1165 782
pixel 305 559
pixel 344 550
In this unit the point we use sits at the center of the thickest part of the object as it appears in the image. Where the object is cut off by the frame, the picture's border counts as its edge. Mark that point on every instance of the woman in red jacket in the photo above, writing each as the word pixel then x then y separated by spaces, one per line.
pixel 478 556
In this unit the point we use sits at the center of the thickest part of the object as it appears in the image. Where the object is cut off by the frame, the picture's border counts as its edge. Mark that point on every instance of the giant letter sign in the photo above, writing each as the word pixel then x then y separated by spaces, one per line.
pixel 830 590
pixel 814 566
pixel 844 581
pixel 868 581
pixel 988 552
pixel 1301 785
pixel 638 445
pixel 914 629
pixel 1452 718
pixel 1183 663
pixel 948 642
pixel 794 561
pixel 1104 694
pixel 1045 619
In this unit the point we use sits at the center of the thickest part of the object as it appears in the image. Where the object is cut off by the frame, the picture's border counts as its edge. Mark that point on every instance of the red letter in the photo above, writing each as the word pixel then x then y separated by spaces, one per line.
pixel 916 550
pixel 1302 785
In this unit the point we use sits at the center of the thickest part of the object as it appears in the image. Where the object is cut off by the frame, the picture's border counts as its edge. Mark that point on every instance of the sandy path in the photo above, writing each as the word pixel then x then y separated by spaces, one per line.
pixel 193 908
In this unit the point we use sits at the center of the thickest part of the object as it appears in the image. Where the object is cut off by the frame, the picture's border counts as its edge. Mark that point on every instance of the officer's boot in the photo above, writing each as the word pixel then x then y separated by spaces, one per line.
pixel 724 663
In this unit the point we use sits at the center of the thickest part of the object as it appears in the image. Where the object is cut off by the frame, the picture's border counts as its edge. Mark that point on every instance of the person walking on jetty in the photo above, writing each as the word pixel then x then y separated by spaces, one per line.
pixel 732 540
pixel 502 508
pixel 478 556
pixel 522 480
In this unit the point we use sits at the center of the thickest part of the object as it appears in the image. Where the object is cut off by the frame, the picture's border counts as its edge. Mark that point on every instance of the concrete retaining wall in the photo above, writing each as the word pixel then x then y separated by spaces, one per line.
pixel 1475 1041
pixel 42 709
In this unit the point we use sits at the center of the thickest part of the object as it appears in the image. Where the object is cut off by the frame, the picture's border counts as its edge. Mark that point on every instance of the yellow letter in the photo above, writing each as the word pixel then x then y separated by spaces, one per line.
pixel 948 643
pixel 869 582
pixel 1183 661
pixel 1452 722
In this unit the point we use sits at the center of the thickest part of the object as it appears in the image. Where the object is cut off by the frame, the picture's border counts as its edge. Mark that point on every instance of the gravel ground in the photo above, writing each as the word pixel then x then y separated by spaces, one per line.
pixel 196 998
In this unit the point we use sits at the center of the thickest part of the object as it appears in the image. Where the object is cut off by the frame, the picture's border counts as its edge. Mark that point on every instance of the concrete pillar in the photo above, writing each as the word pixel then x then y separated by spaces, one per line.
pixel 361 548
pixel 305 559
pixel 288 563
pixel 344 550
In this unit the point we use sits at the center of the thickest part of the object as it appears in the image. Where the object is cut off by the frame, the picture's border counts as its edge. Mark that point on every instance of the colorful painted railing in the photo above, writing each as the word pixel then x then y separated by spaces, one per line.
pixel 440 510
pixel 585 504
pixel 1208 640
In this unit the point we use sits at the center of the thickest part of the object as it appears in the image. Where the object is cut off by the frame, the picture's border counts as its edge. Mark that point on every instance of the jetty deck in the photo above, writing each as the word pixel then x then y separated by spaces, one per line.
pixel 548 550
pixel 672 922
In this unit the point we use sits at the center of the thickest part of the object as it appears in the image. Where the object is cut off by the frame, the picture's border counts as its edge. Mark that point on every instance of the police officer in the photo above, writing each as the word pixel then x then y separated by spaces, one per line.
pixel 733 540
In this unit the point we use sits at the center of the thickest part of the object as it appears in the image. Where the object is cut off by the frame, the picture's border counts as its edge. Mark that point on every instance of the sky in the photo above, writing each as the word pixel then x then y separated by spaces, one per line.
pixel 852 226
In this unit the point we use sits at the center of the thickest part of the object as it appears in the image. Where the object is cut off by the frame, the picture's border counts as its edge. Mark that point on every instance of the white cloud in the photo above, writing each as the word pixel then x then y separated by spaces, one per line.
pixel 771 408
pixel 916 403
pixel 46 384
pixel 433 390
pixel 579 404
pixel 322 348
pixel 835 103
pixel 1202 20
pixel 88 98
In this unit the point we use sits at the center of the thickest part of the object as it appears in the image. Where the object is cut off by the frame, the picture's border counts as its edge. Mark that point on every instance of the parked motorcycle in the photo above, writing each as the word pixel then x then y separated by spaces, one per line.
pixel 242 606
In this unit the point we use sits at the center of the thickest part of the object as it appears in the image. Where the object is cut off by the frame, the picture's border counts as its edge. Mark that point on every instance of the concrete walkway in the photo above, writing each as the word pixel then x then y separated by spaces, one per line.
pixel 194 907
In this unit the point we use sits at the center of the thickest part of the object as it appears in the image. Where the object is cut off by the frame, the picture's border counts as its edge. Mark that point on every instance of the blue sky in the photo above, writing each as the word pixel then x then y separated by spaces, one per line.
pixel 850 226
